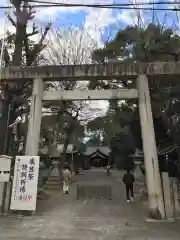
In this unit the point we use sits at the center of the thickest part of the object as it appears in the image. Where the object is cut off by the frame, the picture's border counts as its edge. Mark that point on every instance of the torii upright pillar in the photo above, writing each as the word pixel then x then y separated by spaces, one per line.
pixel 34 126
pixel 155 195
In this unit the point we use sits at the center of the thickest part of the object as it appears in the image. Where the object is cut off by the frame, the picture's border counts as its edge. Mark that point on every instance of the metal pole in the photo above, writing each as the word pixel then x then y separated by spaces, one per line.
pixel 3 43
pixel 72 161
pixel 6 138
pixel 1 105
pixel 178 13
pixel 1 62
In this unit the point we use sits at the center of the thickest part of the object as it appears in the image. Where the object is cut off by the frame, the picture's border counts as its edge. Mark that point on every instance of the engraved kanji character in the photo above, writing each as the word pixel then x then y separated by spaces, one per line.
pixel 24 167
pixel 31 161
pixel 30 176
pixel 31 169
pixel 23 174
pixel 22 189
pixel 23 182
pixel 20 197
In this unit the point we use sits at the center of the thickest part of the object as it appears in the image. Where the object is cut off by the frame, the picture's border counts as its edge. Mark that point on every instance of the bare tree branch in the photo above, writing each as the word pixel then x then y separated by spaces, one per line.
pixel 34 31
pixel 31 55
pixel 11 20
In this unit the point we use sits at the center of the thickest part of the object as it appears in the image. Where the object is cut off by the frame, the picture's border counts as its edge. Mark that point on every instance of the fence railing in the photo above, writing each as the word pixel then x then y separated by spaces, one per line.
pixel 94 192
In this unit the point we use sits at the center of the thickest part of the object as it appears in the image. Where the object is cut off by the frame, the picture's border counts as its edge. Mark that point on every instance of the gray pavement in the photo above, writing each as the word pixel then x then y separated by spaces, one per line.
pixel 64 217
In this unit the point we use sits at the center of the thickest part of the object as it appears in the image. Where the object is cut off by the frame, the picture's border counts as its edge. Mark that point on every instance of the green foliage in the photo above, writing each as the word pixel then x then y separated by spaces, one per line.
pixel 113 130
pixel 95 139
pixel 123 145
pixel 153 43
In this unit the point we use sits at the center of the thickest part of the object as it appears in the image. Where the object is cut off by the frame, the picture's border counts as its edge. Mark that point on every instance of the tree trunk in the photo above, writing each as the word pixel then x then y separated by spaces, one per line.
pixel 25 133
pixel 17 58
pixel 63 157
pixel 4 122
pixel 20 36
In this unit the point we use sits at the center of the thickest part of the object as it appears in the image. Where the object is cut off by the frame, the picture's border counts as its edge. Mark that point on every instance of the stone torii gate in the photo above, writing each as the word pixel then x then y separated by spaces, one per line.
pixel 140 72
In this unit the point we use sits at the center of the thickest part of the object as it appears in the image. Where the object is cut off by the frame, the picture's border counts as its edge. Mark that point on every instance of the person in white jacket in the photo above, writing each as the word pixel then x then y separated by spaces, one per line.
pixel 66 178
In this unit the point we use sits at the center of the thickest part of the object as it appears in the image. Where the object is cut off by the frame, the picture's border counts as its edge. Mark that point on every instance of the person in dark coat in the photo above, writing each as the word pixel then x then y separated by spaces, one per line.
pixel 129 180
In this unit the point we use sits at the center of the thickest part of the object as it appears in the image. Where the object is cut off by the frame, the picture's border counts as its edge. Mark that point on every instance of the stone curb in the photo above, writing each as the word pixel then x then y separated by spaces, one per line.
pixel 169 220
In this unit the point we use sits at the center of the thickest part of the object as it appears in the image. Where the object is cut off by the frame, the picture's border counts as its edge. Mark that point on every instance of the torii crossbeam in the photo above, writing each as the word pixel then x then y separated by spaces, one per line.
pixel 92 71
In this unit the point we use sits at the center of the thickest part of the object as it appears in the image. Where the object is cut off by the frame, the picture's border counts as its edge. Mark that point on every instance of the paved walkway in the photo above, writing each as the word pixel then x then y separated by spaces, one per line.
pixel 64 217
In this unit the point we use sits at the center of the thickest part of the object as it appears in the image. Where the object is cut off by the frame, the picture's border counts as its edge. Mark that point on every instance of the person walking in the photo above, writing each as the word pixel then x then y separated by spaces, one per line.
pixel 66 177
pixel 129 180
pixel 108 170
